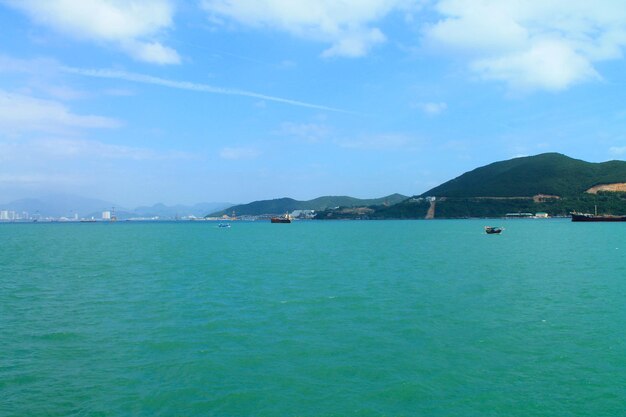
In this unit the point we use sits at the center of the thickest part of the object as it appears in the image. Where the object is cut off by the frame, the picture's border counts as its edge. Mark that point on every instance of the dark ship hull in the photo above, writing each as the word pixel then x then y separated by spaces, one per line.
pixel 584 217
pixel 280 220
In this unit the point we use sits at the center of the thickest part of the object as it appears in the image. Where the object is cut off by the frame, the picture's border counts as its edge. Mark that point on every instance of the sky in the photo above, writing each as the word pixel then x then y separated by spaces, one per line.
pixel 180 102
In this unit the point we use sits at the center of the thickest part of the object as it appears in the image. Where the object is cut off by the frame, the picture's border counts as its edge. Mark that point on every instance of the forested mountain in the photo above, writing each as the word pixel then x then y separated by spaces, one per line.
pixel 282 205
pixel 548 173
pixel 550 182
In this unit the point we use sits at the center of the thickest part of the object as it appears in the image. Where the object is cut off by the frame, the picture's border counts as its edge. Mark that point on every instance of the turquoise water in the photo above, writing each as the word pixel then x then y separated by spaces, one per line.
pixel 393 318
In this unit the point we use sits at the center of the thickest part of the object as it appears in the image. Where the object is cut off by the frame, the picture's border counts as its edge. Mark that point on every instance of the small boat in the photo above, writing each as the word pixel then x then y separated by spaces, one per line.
pixel 493 230
pixel 284 219
pixel 224 225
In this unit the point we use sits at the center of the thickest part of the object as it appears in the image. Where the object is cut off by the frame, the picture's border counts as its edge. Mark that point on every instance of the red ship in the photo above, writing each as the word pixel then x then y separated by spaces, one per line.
pixel 284 219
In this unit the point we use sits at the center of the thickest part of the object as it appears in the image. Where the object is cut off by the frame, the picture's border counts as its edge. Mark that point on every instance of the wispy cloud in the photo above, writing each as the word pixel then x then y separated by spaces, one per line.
pixel 45 76
pixel 81 165
pixel 83 149
pixel 64 92
pixel 617 150
pixel 130 26
pixel 455 145
pixel 388 141
pixel 37 66
pixel 42 75
pixel 186 85
pixel 432 109
pixel 20 113
pixel 309 132
pixel 44 150
pixel 119 92
pixel 239 153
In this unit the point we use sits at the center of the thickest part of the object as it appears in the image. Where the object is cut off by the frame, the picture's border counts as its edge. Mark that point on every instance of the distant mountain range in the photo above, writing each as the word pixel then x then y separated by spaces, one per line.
pixel 64 205
pixel 282 205
pixel 58 206
pixel 197 210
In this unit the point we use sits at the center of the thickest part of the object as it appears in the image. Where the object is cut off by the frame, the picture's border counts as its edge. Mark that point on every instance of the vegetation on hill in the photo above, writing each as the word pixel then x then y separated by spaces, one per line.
pixel 489 191
pixel 548 173
pixel 459 207
pixel 509 187
pixel 282 205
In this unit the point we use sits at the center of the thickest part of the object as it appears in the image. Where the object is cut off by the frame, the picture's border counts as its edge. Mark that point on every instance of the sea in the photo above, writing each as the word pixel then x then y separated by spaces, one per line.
pixel 313 318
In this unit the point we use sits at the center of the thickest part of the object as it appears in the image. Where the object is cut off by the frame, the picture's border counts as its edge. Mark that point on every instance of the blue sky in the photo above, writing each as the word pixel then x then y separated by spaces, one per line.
pixel 139 102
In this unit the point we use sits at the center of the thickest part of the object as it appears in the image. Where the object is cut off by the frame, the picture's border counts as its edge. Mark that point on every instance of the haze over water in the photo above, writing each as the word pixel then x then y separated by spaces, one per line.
pixel 394 318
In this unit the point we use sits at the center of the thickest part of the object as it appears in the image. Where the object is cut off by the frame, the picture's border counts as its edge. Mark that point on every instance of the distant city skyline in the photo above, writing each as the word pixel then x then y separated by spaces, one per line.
pixel 222 100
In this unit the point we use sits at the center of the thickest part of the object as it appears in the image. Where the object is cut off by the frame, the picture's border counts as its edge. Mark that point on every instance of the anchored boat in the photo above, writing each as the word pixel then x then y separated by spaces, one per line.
pixel 283 219
pixel 493 230
pixel 587 217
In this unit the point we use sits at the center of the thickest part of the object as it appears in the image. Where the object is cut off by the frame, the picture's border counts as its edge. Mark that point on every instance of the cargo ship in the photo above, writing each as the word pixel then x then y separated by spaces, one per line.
pixel 284 219
pixel 587 217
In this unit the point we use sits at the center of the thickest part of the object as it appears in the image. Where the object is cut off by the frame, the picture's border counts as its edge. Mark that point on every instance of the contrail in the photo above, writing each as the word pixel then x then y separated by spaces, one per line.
pixel 185 85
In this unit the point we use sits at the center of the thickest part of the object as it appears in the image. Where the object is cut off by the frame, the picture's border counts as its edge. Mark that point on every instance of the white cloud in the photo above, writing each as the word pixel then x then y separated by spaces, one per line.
pixel 287 64
pixel 131 25
pixel 617 150
pixel 529 45
pixel 239 153
pixel 21 113
pixel 355 44
pixel 346 24
pixel 549 65
pixel 432 109
pixel 151 52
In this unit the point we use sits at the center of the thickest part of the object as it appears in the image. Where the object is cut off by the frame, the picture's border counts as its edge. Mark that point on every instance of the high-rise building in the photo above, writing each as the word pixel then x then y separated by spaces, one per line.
pixel 4 214
pixel 106 215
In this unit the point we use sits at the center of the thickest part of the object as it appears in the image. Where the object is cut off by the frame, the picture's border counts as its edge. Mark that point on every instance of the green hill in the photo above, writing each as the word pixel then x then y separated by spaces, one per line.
pixel 282 205
pixel 548 173
pixel 509 187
